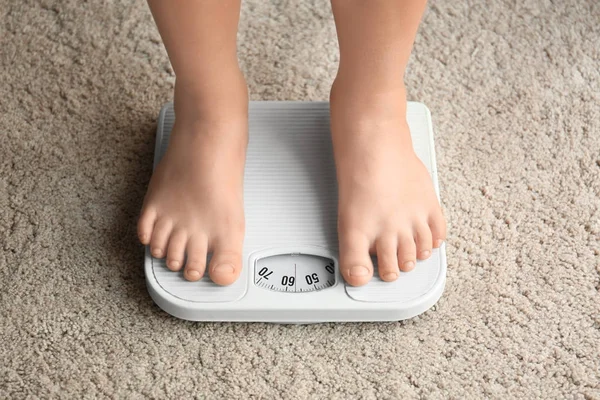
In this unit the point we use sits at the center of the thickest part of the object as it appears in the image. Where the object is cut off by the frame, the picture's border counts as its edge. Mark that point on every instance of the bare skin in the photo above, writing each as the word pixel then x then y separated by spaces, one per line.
pixel 194 203
pixel 387 204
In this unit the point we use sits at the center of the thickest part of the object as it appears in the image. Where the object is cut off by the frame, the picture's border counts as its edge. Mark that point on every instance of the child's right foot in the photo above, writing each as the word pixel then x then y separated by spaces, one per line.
pixel 194 203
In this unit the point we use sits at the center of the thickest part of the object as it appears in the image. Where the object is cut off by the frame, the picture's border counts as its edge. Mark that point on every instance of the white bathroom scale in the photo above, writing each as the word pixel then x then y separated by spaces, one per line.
pixel 290 272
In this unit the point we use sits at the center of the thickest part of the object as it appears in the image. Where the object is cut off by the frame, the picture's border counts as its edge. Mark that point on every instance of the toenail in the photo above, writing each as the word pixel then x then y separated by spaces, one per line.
pixel 174 264
pixel 358 271
pixel 194 274
pixel 390 276
pixel 409 265
pixel 223 269
pixel 438 242
pixel 425 253
pixel 156 252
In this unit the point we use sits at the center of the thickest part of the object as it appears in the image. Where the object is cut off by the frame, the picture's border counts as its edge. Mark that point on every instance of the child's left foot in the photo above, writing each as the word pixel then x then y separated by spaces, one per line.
pixel 387 203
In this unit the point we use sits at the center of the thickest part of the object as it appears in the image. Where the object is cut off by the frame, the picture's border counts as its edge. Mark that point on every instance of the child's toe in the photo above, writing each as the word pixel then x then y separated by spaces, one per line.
pixel 437 225
pixel 423 240
pixel 225 265
pixel 196 257
pixel 176 251
pixel 160 237
pixel 355 263
pixel 387 258
pixel 145 225
pixel 407 252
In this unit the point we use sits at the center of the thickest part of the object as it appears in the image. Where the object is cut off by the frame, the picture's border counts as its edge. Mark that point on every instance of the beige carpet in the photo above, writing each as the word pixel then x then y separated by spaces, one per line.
pixel 514 88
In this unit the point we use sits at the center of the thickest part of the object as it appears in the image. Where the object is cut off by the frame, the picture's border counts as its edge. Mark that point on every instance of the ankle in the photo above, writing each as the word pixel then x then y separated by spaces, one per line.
pixel 222 97
pixel 367 76
pixel 356 95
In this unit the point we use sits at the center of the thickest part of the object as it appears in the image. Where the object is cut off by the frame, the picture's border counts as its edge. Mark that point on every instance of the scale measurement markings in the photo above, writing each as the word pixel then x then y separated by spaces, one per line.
pixel 275 273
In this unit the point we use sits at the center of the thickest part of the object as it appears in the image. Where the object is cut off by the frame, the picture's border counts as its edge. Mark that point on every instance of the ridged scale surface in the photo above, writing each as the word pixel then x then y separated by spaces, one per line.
pixel 290 197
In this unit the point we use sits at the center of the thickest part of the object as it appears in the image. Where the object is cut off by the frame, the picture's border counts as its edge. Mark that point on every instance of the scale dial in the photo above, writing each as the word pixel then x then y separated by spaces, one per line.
pixel 294 273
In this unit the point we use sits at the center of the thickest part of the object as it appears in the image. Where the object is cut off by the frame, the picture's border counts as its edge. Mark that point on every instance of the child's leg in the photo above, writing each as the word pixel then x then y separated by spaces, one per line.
pixel 387 203
pixel 194 202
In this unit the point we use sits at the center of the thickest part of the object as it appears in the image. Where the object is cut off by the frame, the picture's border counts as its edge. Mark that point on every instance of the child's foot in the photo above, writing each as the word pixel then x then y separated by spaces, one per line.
pixel 387 203
pixel 194 202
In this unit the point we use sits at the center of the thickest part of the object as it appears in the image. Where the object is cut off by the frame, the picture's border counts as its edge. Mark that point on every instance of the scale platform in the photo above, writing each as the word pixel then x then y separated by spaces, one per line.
pixel 290 272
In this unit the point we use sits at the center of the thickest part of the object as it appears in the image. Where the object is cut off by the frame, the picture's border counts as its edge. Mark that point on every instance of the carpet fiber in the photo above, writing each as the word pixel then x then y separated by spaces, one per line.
pixel 514 89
